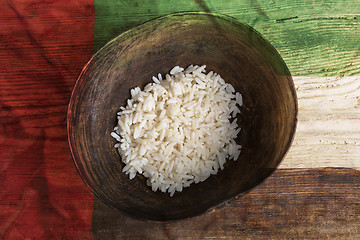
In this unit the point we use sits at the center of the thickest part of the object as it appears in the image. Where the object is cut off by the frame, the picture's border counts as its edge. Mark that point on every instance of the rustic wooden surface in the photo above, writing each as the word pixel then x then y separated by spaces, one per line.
pixel 328 130
pixel 315 38
pixel 302 200
pixel 43 47
pixel 319 41
pixel 292 204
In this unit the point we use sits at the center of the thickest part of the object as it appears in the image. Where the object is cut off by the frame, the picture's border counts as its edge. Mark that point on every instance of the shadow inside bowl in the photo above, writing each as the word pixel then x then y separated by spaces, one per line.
pixel 232 49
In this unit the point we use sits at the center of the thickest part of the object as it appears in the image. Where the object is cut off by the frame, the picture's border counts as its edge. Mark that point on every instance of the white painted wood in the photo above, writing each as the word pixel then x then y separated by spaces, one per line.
pixel 328 130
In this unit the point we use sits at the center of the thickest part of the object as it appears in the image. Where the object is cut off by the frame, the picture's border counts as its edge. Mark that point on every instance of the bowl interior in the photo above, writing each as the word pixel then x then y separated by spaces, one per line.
pixel 235 51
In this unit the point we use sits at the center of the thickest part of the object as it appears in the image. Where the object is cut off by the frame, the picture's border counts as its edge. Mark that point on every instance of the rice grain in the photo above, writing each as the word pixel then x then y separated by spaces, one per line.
pixel 180 129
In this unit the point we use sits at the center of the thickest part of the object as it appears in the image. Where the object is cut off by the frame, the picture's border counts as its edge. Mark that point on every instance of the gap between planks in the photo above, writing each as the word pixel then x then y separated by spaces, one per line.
pixel 328 129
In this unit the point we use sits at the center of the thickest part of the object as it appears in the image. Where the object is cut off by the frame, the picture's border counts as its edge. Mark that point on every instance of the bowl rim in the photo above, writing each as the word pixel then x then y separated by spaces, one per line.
pixel 222 203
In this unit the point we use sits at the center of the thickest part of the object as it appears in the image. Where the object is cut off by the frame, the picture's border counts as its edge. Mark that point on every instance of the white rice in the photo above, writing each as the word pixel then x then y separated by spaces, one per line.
pixel 177 131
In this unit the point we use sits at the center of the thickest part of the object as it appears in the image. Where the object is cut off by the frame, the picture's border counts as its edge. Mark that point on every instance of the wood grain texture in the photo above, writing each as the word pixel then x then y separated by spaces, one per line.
pixel 328 131
pixel 315 38
pixel 291 204
pixel 43 47
pixel 42 52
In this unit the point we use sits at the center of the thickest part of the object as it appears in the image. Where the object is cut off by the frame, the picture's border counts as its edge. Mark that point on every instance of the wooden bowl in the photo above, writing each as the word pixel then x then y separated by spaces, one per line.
pixel 234 50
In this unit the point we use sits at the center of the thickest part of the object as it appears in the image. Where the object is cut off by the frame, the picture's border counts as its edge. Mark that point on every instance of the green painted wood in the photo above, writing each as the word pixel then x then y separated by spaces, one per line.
pixel 318 38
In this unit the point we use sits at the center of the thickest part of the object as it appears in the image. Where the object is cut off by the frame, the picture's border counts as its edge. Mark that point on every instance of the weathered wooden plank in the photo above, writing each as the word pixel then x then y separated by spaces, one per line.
pixel 328 131
pixel 43 47
pixel 291 204
pixel 314 37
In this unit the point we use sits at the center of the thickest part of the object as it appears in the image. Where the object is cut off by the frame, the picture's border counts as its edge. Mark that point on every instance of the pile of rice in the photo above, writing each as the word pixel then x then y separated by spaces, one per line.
pixel 179 130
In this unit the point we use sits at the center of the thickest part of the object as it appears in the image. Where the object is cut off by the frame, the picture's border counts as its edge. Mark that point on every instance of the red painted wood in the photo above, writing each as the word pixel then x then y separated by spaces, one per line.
pixel 43 47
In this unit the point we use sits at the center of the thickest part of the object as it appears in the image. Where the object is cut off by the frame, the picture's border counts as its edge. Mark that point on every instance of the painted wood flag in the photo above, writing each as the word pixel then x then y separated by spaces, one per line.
pixel 315 194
